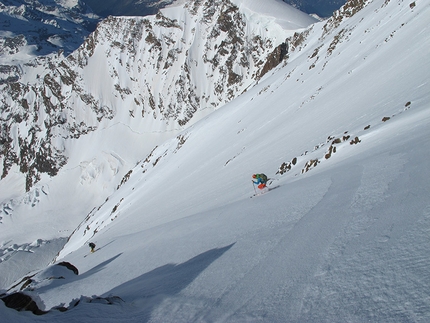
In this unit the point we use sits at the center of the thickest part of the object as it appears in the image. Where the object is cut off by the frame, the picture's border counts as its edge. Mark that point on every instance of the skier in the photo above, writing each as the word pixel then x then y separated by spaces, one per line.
pixel 261 180
pixel 92 246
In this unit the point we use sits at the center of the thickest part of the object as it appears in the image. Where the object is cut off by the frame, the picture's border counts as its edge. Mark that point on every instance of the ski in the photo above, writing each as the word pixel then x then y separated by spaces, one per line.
pixel 264 191
pixel 91 252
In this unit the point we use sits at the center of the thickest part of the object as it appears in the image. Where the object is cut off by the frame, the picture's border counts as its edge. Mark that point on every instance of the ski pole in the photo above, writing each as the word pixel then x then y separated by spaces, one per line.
pixel 253 185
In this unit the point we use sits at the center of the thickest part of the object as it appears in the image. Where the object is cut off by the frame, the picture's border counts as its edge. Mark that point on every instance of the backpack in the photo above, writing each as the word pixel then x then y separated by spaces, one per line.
pixel 263 178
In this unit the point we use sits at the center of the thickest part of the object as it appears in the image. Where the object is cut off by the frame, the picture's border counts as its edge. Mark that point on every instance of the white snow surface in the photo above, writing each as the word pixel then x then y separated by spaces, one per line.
pixel 275 11
pixel 185 240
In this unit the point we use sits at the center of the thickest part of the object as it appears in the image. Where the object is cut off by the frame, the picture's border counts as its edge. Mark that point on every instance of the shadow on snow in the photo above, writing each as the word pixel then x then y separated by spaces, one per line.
pixel 165 281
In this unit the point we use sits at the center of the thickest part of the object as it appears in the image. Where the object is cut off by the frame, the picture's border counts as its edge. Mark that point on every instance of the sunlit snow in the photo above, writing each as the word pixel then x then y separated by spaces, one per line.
pixel 342 131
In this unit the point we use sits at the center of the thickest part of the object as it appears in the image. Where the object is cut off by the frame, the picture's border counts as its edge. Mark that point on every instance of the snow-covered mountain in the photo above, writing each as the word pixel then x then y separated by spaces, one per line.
pixel 127 7
pixel 134 83
pixel 322 8
pixel 340 125
pixel 150 74
pixel 36 28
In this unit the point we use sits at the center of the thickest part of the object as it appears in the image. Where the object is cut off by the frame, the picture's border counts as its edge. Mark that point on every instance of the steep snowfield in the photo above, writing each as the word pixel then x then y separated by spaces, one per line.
pixel 342 236
pixel 131 86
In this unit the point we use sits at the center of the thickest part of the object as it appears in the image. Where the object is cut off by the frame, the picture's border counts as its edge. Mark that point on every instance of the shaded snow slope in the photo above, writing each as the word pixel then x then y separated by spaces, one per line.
pixel 342 130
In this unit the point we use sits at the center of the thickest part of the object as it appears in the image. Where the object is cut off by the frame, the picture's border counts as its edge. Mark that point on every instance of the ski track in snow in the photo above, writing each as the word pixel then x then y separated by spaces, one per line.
pixel 376 260
pixel 282 278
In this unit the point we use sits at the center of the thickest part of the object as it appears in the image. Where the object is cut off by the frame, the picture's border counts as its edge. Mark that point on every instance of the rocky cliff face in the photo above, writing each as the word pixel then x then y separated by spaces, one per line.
pixel 161 71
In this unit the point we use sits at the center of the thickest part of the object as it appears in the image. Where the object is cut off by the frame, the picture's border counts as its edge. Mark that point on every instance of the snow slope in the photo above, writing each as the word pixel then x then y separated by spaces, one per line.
pixel 76 125
pixel 287 17
pixel 342 129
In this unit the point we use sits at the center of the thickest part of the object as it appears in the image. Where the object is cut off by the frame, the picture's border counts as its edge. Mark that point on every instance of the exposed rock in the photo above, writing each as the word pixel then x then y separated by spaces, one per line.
pixel 275 58
pixel 68 265
pixel 22 302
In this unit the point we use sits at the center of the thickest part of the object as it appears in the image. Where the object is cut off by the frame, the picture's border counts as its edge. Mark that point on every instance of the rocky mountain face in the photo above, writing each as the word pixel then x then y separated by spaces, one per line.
pixel 158 72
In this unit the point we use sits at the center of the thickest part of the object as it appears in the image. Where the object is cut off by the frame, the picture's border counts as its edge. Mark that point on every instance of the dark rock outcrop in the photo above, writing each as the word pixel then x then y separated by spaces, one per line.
pixel 22 302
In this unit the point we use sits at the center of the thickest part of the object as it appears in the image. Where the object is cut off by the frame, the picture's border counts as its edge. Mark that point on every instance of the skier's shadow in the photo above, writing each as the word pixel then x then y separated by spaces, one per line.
pixel 151 288
pixel 97 268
